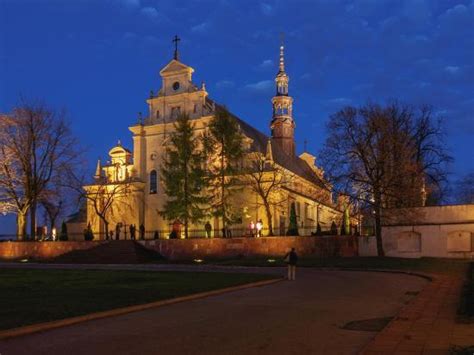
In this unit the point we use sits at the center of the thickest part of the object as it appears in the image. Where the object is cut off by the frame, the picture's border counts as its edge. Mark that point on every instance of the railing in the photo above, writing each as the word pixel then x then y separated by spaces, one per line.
pixel 231 232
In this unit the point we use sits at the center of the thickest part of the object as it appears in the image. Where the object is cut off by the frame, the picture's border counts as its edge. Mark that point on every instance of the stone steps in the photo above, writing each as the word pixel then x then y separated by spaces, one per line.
pixel 112 252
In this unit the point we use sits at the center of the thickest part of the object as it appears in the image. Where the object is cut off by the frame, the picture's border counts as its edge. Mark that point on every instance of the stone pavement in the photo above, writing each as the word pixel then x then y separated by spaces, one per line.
pixel 298 317
pixel 427 325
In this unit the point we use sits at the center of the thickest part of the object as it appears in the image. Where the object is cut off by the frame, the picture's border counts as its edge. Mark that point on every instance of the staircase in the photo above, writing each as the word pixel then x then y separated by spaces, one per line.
pixel 112 252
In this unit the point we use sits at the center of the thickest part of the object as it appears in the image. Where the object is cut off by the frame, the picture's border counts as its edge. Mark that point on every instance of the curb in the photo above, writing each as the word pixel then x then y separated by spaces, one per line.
pixel 40 327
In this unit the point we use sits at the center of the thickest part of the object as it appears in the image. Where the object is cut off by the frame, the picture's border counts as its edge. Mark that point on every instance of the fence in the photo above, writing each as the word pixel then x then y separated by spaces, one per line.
pixel 230 232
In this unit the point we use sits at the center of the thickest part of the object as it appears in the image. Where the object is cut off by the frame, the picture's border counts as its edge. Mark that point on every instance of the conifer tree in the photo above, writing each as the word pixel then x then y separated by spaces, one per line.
pixel 224 145
pixel 293 227
pixel 183 176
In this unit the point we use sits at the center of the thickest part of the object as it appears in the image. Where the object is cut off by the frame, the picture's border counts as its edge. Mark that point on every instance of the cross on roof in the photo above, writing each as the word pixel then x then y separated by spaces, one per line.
pixel 176 39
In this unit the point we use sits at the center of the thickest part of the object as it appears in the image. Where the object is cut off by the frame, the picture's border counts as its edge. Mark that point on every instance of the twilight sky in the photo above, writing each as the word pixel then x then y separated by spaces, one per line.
pixel 100 58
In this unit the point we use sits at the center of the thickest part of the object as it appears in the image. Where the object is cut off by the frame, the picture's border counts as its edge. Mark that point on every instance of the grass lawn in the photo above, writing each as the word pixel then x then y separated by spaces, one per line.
pixel 33 296
pixel 428 265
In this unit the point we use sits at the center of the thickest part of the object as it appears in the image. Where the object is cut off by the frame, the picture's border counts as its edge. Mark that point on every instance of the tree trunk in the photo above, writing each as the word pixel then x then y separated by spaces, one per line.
pixel 378 230
pixel 106 227
pixel 33 221
pixel 21 225
pixel 269 218
pixel 222 192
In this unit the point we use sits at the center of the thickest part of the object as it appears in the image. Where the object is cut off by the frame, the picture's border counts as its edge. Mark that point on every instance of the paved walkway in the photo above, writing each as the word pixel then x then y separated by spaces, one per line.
pixel 300 317
pixel 427 324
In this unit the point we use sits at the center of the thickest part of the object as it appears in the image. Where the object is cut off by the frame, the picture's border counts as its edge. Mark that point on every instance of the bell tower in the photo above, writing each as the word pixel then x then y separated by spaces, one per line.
pixel 282 125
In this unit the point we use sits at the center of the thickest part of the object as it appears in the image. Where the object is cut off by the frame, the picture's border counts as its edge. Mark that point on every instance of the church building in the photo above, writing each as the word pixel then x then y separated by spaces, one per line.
pixel 130 181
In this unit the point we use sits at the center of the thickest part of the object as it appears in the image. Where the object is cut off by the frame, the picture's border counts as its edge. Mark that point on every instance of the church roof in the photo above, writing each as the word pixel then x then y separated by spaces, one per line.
pixel 175 66
pixel 260 140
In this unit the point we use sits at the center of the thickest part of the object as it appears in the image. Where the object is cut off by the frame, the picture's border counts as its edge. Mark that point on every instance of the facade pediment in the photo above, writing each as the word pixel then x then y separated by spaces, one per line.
pixel 175 67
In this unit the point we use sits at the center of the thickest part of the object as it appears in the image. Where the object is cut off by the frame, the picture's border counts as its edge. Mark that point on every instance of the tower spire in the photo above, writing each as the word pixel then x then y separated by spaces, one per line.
pixel 282 53
pixel 282 58
pixel 98 170
pixel 282 124
pixel 176 39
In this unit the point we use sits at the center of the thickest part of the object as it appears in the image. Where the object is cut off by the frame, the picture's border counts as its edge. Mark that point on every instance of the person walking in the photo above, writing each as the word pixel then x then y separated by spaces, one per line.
pixel 208 229
pixel 291 259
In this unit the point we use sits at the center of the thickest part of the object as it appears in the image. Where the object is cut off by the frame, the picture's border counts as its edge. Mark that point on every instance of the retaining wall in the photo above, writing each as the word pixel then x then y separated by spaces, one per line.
pixel 40 250
pixel 182 249
pixel 219 248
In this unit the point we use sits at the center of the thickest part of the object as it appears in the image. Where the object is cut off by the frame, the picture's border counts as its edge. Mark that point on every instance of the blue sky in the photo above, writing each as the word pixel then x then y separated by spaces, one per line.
pixel 99 59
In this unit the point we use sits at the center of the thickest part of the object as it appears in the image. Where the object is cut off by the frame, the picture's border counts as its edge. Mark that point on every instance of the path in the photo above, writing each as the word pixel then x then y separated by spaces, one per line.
pixel 301 317
pixel 428 324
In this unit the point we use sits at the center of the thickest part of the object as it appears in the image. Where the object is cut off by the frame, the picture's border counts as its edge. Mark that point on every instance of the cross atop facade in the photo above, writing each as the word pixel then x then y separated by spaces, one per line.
pixel 176 39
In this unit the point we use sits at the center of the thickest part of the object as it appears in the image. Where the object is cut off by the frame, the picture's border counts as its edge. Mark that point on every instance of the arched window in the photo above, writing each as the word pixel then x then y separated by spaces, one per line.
pixel 153 182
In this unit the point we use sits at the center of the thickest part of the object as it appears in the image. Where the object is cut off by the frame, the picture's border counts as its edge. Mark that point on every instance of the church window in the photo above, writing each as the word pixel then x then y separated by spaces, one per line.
pixel 175 111
pixel 157 113
pixel 195 108
pixel 153 182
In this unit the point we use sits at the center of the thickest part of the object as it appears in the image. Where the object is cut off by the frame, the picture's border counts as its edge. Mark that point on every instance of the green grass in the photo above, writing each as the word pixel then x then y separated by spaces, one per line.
pixel 428 265
pixel 33 296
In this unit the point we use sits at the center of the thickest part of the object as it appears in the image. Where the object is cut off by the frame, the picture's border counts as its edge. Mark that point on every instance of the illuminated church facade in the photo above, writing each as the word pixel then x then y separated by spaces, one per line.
pixel 139 168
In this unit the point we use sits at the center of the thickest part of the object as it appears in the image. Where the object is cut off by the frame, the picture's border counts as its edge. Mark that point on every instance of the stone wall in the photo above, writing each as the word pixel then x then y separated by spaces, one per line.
pixel 438 231
pixel 218 248
pixel 180 249
pixel 40 250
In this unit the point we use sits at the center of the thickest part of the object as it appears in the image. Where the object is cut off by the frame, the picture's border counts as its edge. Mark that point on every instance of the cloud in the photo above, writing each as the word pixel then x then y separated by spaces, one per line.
pixel 266 64
pixel 337 103
pixel 225 84
pixel 201 28
pixel 150 12
pixel 263 86
pixel 267 9
pixel 451 69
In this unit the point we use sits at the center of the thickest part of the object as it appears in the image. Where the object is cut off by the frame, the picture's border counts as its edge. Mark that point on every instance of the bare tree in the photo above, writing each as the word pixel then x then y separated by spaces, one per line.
pixel 464 189
pixel 104 197
pixel 385 157
pixel 12 194
pixel 266 179
pixel 40 143
pixel 103 194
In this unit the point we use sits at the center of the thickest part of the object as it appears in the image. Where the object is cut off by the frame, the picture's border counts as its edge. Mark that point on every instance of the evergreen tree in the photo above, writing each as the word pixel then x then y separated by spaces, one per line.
pixel 63 235
pixel 224 147
pixel 333 228
pixel 183 176
pixel 293 227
